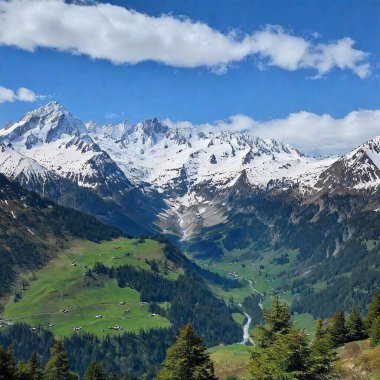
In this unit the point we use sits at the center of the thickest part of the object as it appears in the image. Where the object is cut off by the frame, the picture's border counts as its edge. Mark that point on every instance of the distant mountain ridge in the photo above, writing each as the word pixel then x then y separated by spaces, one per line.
pixel 174 180
pixel 51 152
pixel 215 192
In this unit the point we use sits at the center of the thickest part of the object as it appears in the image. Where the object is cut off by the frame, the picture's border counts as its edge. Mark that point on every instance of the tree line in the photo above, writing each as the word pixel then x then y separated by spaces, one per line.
pixel 281 351
pixel 57 368
pixel 191 300
pixel 268 215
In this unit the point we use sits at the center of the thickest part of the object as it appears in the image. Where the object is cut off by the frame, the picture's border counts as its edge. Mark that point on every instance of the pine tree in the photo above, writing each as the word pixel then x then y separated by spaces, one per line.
pixel 355 326
pixel 7 368
pixel 11 361
pixel 287 357
pixel 373 311
pixel 277 320
pixel 323 353
pixel 94 372
pixel 187 359
pixel 319 332
pixel 287 354
pixel 35 370
pixel 22 372
pixel 375 332
pixel 57 367
pixel 337 329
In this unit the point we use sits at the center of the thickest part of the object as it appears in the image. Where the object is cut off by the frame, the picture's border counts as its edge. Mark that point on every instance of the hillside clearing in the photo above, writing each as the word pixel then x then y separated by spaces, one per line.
pixel 63 299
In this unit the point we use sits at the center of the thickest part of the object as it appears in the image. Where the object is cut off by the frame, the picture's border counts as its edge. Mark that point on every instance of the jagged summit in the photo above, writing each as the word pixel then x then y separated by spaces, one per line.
pixel 58 141
pixel 193 171
pixel 113 131
pixel 43 125
pixel 152 152
pixel 188 167
pixel 358 169
pixel 147 133
pixel 53 106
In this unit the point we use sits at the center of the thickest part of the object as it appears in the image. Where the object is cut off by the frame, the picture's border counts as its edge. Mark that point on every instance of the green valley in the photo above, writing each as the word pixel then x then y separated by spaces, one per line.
pixel 64 286
pixel 264 273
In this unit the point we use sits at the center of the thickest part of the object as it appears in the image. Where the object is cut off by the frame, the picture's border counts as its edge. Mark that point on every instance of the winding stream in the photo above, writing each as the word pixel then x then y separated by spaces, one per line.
pixel 246 337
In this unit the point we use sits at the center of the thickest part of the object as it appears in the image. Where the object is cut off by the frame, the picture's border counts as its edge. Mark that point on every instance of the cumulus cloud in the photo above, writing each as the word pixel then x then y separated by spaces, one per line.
pixel 105 31
pixel 309 132
pixel 22 94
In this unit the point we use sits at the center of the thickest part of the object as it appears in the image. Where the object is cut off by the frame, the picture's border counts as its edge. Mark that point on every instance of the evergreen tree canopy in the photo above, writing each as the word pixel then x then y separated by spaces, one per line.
pixel 373 311
pixel 337 329
pixel 277 320
pixel 287 357
pixel 22 372
pixel 94 372
pixel 187 359
pixel 35 370
pixel 355 326
pixel 375 332
pixel 284 352
pixel 7 368
pixel 57 367
pixel 323 353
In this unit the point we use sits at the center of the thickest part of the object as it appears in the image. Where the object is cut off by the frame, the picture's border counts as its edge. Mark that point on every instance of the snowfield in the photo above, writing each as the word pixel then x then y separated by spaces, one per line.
pixel 190 169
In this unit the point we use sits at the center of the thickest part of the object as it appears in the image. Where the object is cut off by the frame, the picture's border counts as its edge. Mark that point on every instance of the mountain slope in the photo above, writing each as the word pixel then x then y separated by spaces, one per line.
pixel 138 284
pixel 180 159
pixel 217 192
pixel 49 151
pixel 356 171
pixel 33 229
pixel 195 172
pixel 58 141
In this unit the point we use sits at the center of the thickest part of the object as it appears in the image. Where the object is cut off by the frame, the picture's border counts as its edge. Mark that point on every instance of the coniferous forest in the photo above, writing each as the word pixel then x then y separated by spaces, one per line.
pixel 281 351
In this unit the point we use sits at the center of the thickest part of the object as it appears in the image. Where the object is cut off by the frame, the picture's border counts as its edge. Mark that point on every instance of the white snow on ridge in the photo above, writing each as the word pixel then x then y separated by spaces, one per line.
pixel 43 125
pixel 14 164
pixel 162 157
pixel 150 152
pixel 190 168
pixel 54 139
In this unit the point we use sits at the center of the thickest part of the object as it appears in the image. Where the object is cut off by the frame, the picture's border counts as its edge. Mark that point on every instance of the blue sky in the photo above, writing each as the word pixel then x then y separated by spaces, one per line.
pixel 249 64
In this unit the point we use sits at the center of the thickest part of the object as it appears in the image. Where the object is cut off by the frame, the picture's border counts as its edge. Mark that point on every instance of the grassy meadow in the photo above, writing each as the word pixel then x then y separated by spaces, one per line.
pixel 61 285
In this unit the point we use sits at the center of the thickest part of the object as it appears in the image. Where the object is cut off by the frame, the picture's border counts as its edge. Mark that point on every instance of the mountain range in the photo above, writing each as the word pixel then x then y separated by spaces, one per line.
pixel 212 191
pixel 169 179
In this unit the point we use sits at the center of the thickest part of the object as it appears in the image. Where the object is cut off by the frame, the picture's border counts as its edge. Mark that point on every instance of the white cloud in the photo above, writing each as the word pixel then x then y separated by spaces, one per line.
pixel 105 31
pixel 111 115
pixel 22 94
pixel 340 54
pixel 280 48
pixel 309 132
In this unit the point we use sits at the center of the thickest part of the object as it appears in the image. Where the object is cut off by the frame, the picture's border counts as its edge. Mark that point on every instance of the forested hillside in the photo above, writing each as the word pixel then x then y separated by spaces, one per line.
pixel 120 297
pixel 336 240
pixel 32 230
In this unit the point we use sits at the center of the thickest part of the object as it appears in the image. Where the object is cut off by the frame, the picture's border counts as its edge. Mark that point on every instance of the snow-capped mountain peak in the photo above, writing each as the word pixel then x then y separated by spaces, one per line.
pixel 58 141
pixel 372 149
pixel 184 158
pixel 358 169
pixel 43 125
pixel 147 133
pixel 192 171
pixel 111 131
